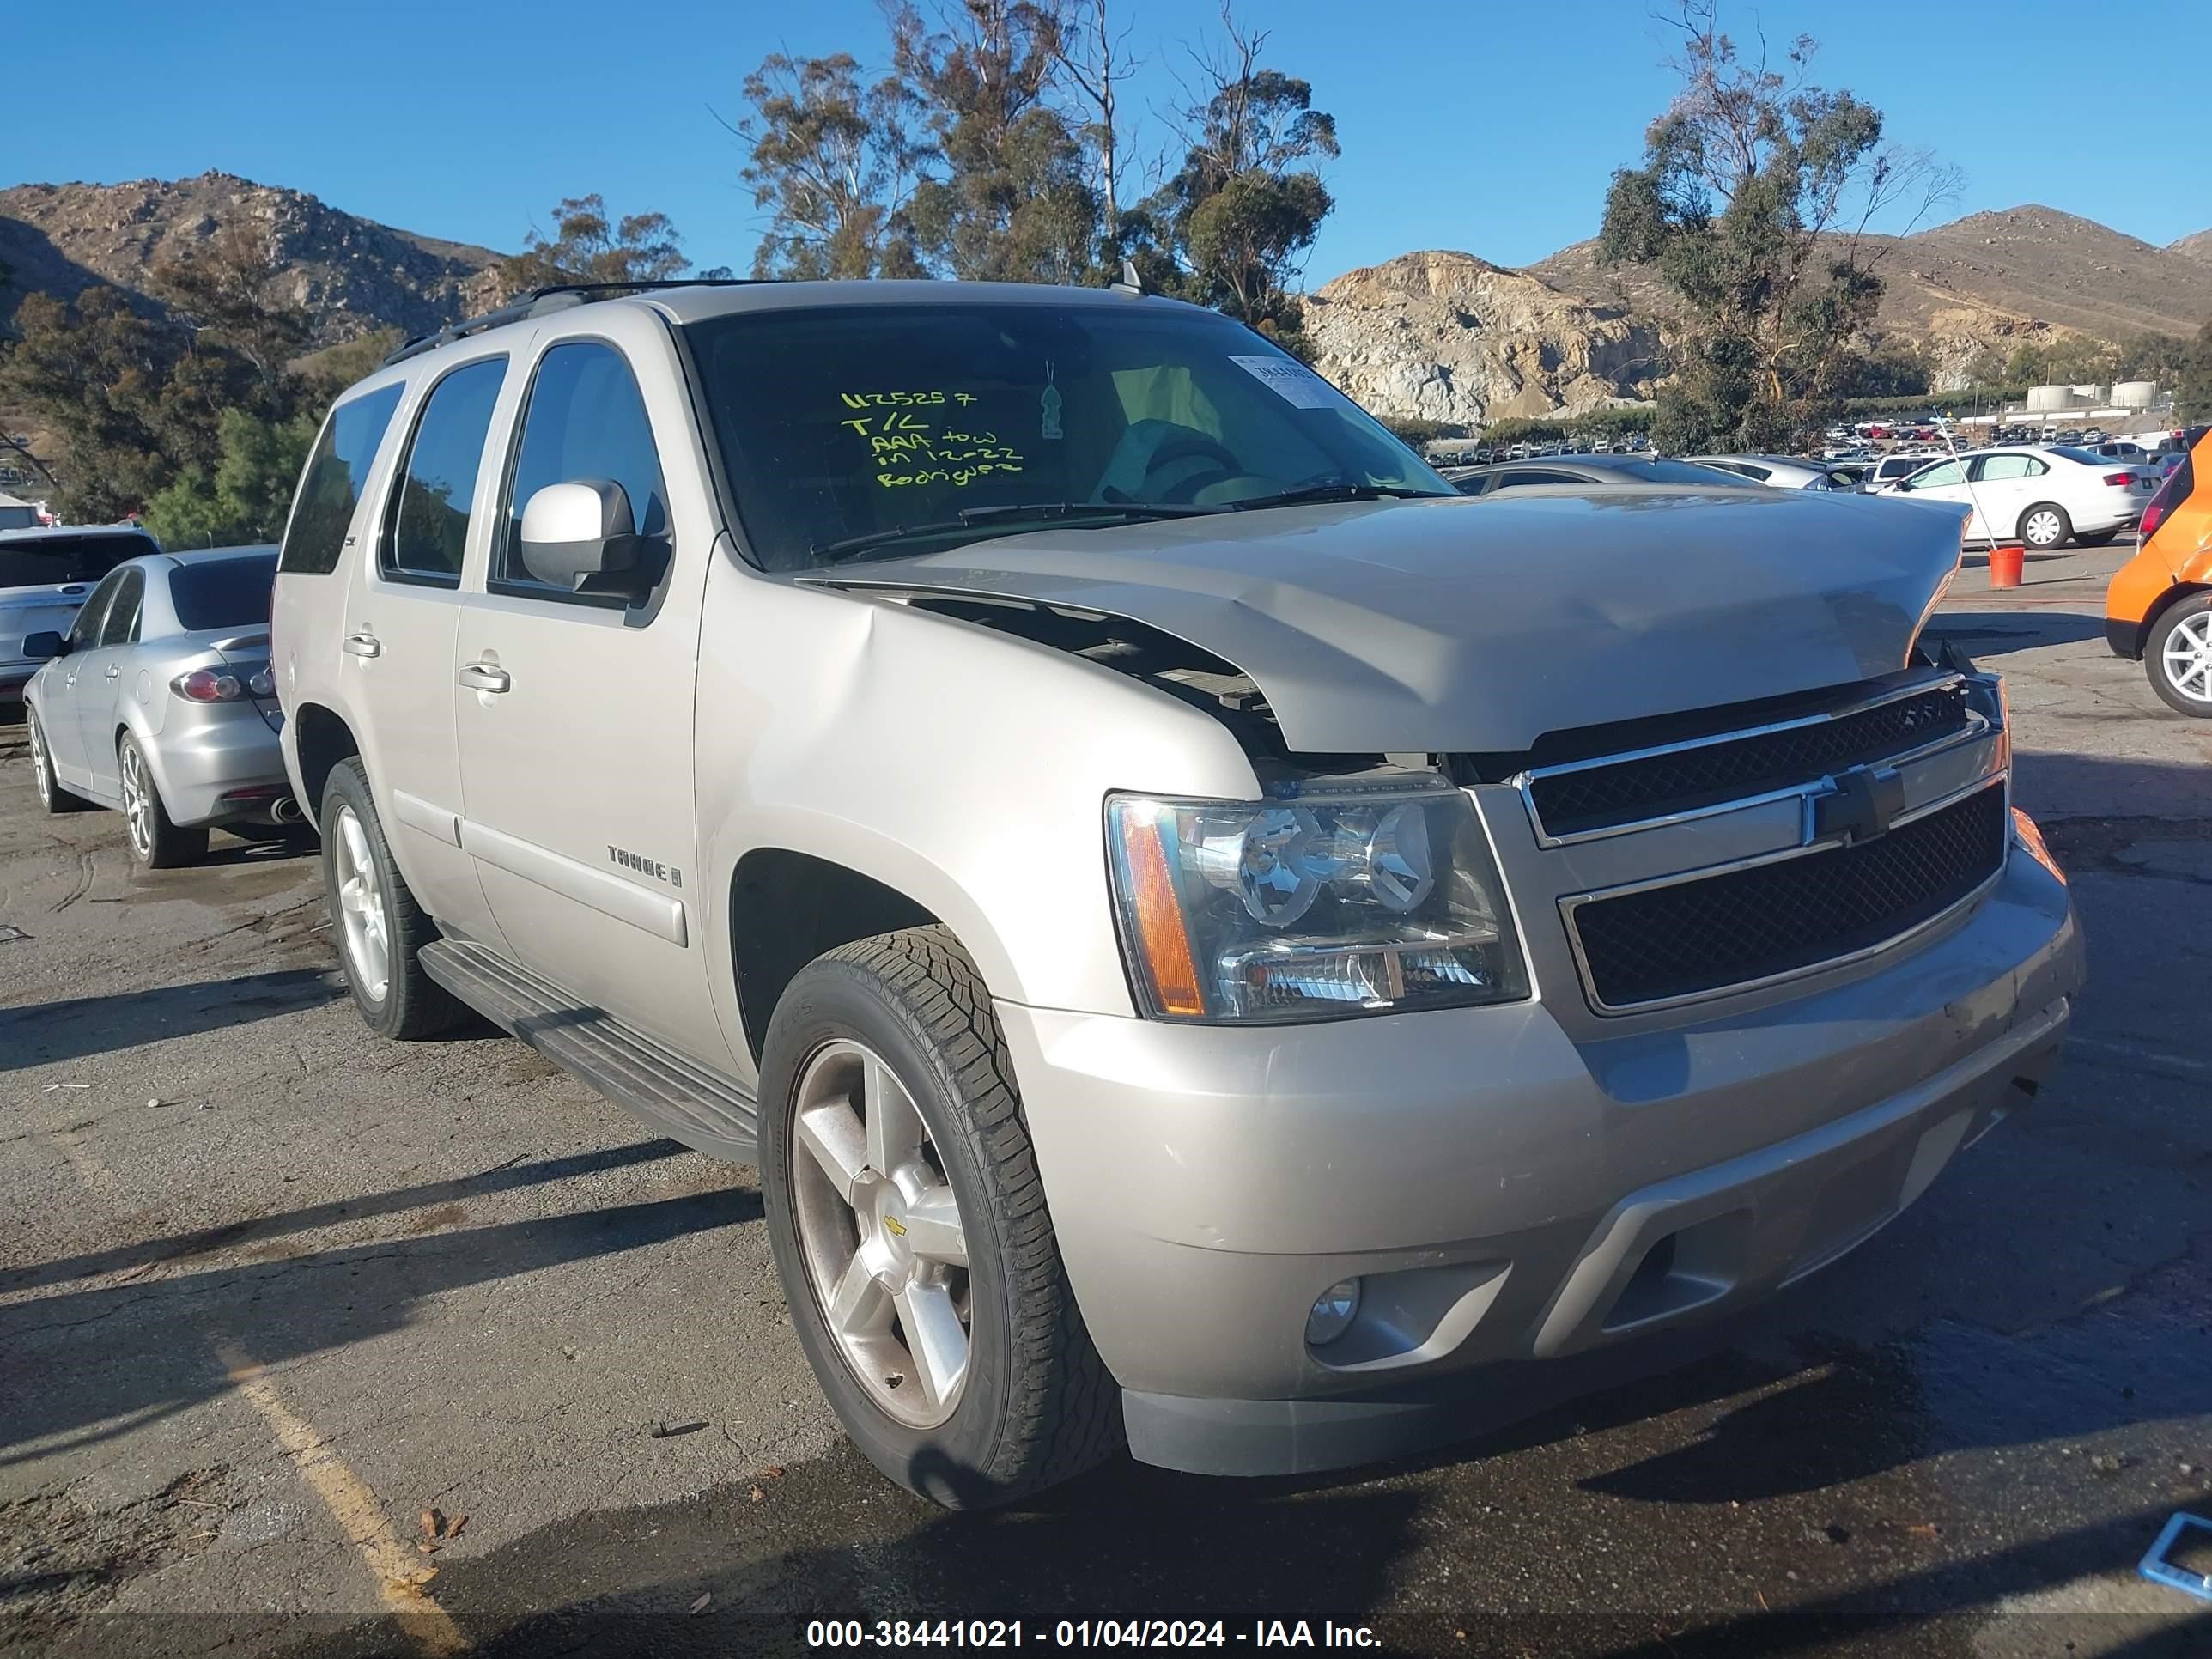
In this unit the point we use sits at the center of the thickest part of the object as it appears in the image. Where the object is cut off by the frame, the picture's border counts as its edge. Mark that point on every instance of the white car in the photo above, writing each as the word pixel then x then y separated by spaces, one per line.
pixel 2043 496
pixel 1893 469
pixel 1776 471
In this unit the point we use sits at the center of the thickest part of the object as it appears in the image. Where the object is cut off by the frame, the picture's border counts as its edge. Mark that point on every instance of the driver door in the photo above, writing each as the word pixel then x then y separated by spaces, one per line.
pixel 1946 481
pixel 64 687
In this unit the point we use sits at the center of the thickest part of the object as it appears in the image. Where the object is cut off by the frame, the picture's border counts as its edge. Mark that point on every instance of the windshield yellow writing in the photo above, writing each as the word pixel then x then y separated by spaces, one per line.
pixel 910 448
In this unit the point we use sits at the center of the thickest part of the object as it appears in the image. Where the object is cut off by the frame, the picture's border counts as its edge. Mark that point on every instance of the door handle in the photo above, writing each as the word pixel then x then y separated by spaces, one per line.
pixel 114 673
pixel 482 676
pixel 364 644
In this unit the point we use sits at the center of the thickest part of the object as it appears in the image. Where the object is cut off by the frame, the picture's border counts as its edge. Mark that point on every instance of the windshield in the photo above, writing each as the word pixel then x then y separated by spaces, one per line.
pixel 223 592
pixel 911 428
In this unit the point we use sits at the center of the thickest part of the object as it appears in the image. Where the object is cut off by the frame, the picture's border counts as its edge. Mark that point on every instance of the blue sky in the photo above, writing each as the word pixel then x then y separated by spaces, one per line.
pixel 1488 128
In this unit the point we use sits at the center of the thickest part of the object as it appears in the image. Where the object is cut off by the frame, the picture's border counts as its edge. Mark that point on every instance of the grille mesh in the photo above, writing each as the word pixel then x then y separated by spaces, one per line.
pixel 1699 936
pixel 1601 797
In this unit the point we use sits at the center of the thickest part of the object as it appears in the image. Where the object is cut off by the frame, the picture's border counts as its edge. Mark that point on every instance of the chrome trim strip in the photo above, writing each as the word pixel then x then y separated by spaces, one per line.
pixel 1525 781
pixel 598 889
pixel 1570 905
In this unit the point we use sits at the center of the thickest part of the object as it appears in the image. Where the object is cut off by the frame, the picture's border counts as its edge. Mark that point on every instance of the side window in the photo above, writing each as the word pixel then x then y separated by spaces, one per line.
pixel 1935 478
pixel 86 628
pixel 586 419
pixel 121 625
pixel 426 528
pixel 1995 469
pixel 332 486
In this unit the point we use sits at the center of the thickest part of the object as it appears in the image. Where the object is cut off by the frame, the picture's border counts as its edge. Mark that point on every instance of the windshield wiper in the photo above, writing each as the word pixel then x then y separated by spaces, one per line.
pixel 1005 519
pixel 1343 489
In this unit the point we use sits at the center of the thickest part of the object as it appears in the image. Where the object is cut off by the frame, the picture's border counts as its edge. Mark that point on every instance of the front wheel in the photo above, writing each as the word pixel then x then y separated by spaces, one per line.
pixel 156 841
pixel 2178 655
pixel 908 1223
pixel 52 798
pixel 2045 526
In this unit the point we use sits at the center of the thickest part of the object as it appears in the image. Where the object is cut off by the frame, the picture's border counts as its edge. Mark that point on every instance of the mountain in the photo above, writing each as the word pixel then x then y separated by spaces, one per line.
pixel 352 274
pixel 2022 274
pixel 1446 337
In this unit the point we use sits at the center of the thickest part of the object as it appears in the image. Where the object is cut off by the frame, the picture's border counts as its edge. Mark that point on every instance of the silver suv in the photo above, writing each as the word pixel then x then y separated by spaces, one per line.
pixel 1209 936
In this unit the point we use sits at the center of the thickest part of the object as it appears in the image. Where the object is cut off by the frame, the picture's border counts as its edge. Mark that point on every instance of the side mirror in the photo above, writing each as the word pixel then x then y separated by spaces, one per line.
pixel 44 647
pixel 573 533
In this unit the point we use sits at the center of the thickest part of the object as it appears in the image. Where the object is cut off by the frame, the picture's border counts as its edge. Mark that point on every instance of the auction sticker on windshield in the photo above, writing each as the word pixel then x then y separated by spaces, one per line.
pixel 1294 383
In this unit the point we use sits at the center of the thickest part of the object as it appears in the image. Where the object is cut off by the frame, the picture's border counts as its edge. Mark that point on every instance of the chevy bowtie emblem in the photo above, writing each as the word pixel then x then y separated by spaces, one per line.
pixel 894 1226
pixel 1857 805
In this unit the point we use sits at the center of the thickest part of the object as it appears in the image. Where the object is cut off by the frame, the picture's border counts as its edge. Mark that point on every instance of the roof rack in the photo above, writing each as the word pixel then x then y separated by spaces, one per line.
pixel 554 296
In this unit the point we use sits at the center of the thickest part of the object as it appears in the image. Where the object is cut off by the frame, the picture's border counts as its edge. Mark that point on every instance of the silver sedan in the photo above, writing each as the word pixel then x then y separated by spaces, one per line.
pixel 159 701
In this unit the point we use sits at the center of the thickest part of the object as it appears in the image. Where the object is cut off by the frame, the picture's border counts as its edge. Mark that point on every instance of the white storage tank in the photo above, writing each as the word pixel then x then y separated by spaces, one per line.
pixel 2049 399
pixel 2135 394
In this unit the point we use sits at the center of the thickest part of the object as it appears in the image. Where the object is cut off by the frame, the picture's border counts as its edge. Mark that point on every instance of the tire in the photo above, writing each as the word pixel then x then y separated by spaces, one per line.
pixel 2045 526
pixel 156 842
pixel 2101 538
pixel 380 926
pixel 1034 1405
pixel 2178 655
pixel 52 798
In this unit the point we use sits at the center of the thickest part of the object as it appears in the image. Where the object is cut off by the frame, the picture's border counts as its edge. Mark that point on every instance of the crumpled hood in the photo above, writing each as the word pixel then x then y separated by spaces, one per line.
pixel 1457 624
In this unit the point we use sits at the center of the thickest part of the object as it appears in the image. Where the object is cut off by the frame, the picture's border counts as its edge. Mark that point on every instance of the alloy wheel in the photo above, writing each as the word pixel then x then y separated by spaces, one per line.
pixel 2186 659
pixel 137 801
pixel 880 1230
pixel 361 907
pixel 40 775
pixel 2041 529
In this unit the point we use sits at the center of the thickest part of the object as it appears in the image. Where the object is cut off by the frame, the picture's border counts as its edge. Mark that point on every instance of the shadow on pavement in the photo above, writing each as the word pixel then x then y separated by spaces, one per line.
pixel 41 1033
pixel 62 1370
pixel 1983 634
pixel 176 1247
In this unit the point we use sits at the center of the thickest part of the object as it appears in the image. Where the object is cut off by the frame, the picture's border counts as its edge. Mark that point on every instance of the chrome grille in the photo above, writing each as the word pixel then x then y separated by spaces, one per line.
pixel 1691 937
pixel 1597 797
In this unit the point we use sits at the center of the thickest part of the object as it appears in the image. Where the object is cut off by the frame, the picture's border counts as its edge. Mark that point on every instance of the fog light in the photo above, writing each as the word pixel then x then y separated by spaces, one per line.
pixel 1334 1310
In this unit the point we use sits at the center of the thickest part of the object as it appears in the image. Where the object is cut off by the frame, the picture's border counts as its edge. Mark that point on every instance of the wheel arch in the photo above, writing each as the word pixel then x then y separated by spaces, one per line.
pixel 321 738
pixel 787 907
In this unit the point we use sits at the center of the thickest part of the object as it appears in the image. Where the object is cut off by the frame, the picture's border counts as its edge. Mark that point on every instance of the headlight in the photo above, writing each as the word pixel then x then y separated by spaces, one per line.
pixel 1346 897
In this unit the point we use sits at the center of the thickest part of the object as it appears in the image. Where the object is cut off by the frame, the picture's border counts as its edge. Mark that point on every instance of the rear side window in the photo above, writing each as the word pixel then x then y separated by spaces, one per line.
pixel 427 530
pixel 120 626
pixel 331 487
pixel 1994 469
pixel 222 594
pixel 586 419
pixel 58 561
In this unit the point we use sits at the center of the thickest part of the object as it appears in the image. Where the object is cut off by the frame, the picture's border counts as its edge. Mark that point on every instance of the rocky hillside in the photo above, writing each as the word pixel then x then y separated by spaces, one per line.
pixel 1446 337
pixel 2017 275
pixel 352 274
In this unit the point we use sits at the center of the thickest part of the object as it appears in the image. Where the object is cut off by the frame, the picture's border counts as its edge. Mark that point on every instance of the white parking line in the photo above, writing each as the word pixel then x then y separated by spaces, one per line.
pixel 400 1573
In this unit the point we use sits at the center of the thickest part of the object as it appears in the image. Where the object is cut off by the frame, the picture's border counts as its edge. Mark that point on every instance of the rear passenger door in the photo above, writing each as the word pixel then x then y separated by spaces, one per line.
pixel 576 708
pixel 100 676
pixel 2005 485
pixel 402 610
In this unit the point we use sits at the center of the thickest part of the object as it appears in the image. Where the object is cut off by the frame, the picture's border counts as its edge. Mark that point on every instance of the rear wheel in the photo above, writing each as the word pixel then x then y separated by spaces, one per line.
pixel 380 925
pixel 2045 526
pixel 156 841
pixel 52 798
pixel 908 1223
pixel 2178 655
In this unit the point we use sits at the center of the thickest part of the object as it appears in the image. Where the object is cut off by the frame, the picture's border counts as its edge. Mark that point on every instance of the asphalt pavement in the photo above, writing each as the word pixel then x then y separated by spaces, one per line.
pixel 280 1304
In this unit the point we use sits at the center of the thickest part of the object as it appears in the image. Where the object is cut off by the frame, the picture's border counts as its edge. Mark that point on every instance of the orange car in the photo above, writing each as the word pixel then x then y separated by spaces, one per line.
pixel 2158 611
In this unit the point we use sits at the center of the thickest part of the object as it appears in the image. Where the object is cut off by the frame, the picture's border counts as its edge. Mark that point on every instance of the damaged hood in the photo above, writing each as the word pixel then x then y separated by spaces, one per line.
pixel 1458 624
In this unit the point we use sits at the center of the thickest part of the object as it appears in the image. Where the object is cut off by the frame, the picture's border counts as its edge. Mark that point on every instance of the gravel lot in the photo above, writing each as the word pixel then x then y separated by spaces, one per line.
pixel 269 1290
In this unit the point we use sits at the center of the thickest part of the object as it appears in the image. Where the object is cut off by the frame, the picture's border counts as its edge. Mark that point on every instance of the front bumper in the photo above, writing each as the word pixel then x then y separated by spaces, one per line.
pixel 1507 1195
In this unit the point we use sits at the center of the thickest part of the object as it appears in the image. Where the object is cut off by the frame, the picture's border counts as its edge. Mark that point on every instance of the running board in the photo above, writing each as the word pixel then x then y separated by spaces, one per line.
pixel 674 1094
